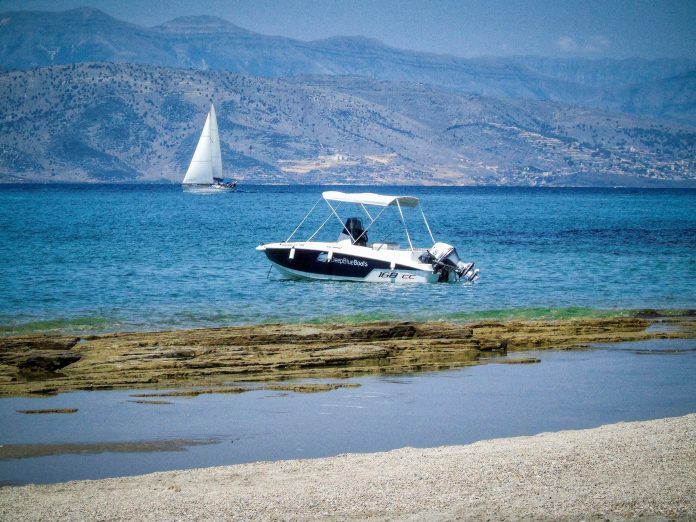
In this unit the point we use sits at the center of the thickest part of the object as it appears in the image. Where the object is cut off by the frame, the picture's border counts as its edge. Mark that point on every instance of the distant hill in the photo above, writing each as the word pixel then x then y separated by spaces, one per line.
pixel 668 98
pixel 38 39
pixel 121 122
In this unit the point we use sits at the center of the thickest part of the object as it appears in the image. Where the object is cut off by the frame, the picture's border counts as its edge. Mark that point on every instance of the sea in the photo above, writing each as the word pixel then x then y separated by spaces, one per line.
pixel 97 258
pixel 82 259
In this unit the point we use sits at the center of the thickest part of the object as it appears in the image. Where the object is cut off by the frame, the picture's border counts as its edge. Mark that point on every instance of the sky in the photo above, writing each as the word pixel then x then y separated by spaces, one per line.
pixel 560 28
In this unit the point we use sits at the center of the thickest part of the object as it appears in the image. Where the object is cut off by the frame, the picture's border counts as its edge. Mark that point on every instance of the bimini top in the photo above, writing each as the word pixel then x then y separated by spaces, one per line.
pixel 367 198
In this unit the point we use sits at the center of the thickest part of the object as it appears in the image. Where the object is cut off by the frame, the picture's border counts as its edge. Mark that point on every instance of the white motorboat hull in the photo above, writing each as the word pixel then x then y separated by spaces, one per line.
pixel 346 262
pixel 375 276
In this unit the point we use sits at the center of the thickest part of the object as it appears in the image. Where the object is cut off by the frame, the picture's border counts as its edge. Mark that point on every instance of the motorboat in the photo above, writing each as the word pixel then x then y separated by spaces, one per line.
pixel 204 173
pixel 352 257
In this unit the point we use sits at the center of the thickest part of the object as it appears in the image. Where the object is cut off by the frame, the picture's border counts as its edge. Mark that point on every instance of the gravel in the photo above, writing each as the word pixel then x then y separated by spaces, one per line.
pixel 620 471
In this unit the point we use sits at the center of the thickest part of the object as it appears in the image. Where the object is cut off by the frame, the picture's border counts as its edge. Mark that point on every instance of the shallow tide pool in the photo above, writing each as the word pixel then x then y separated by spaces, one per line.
pixel 566 390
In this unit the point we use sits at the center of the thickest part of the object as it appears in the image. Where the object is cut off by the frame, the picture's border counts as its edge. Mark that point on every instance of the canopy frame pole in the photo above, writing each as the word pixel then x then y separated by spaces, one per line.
pixel 403 220
pixel 368 213
pixel 425 220
pixel 371 223
pixel 320 227
pixel 303 220
pixel 333 212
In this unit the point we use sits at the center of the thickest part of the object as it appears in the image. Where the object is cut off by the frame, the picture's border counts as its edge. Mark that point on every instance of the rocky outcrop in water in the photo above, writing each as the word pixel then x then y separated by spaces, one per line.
pixel 39 355
pixel 220 356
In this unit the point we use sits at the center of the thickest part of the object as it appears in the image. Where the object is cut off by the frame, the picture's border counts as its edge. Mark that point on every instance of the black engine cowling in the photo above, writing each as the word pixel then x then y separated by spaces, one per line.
pixel 445 259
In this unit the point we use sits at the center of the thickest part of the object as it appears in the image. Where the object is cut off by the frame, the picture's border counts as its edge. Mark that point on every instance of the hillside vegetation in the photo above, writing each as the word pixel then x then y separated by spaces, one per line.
pixel 120 122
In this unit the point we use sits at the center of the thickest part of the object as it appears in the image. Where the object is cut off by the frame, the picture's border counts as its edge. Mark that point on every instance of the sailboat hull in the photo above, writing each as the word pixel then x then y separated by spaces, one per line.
pixel 224 188
pixel 207 189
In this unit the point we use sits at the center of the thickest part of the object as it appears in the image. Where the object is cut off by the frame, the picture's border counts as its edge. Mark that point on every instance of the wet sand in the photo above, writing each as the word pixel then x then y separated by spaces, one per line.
pixel 22 451
pixel 220 359
pixel 622 471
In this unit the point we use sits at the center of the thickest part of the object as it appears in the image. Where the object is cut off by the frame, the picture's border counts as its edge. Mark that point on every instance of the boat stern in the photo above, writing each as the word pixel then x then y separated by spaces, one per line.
pixel 446 261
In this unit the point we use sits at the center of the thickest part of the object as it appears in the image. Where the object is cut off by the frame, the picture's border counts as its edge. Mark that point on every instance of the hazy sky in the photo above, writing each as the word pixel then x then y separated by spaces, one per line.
pixel 591 28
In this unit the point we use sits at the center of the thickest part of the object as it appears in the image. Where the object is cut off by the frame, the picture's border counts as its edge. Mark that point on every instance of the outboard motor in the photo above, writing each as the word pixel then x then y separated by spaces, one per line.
pixel 445 260
pixel 353 230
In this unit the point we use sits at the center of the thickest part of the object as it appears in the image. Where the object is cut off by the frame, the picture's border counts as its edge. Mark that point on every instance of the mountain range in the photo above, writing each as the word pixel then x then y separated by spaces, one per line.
pixel 123 122
pixel 89 97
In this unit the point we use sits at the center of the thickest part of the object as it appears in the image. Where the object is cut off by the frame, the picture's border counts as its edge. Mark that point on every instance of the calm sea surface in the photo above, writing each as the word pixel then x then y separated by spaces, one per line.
pixel 96 258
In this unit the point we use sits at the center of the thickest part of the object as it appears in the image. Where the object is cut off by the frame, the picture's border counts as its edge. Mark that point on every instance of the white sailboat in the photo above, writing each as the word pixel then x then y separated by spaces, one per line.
pixel 205 169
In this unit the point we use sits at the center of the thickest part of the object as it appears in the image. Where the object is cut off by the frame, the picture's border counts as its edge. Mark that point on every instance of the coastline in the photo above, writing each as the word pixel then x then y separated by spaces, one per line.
pixel 617 471
pixel 230 359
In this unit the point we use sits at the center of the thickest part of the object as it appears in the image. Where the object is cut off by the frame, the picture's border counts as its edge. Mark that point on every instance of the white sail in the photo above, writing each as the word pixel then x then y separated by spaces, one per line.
pixel 206 163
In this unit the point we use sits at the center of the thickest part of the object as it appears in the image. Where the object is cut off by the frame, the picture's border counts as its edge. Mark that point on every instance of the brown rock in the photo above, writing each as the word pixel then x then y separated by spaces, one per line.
pixel 47 361
pixel 276 352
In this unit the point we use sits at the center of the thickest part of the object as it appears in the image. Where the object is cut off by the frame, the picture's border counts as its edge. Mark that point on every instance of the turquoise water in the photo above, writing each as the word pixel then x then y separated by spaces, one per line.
pixel 97 258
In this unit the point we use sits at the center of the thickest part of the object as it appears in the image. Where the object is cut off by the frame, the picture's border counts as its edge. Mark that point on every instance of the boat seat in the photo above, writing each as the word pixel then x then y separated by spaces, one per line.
pixel 387 245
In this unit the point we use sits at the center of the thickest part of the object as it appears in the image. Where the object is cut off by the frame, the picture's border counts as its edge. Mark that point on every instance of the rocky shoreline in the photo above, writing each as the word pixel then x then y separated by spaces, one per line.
pixel 625 471
pixel 224 359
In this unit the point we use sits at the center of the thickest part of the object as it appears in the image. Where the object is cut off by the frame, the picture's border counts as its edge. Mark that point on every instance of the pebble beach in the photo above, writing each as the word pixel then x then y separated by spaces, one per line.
pixel 614 472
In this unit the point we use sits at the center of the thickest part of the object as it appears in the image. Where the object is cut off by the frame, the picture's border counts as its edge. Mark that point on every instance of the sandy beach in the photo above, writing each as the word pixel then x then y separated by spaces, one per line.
pixel 621 471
